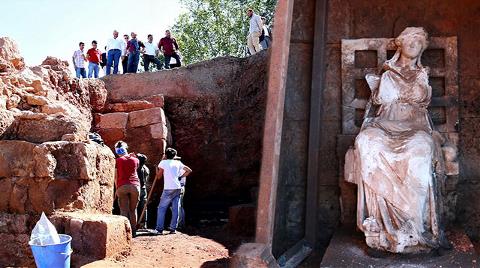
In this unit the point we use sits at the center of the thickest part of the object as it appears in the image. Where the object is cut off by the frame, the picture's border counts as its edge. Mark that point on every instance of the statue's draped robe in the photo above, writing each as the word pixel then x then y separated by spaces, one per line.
pixel 394 163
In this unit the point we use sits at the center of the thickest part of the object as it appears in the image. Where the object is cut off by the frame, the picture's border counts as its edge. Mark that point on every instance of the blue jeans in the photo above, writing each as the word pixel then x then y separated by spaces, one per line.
pixel 92 69
pixel 168 196
pixel 80 72
pixel 113 57
pixel 133 59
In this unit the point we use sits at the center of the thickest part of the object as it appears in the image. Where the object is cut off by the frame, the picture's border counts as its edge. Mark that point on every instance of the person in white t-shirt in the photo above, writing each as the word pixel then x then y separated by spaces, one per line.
pixel 150 53
pixel 172 171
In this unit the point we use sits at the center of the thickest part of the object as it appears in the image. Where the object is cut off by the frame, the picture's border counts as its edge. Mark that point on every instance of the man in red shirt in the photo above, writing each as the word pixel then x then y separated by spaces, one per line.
pixel 169 47
pixel 93 57
pixel 127 183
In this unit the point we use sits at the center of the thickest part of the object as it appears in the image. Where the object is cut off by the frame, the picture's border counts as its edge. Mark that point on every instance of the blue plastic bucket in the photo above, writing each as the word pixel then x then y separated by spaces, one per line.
pixel 55 256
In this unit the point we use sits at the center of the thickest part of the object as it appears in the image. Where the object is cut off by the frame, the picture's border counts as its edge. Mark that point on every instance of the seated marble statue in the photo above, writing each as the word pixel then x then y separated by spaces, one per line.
pixel 394 155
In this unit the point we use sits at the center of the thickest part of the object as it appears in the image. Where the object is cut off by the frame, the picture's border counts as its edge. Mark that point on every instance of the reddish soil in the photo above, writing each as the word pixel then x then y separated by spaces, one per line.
pixel 177 250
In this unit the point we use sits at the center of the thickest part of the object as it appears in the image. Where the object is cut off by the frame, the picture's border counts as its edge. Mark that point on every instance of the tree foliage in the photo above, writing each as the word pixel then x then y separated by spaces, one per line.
pixel 212 28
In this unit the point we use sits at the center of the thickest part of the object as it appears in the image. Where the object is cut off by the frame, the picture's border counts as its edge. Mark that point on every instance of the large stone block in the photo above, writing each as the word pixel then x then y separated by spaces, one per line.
pixel 111 135
pixel 146 117
pixel 96 236
pixel 159 131
pixel 42 177
pixel 24 159
pixel 131 106
pixel 111 120
pixel 157 100
pixel 97 93
pixel 40 128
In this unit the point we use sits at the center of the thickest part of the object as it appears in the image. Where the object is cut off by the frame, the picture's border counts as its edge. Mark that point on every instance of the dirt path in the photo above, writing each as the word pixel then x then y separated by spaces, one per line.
pixel 177 250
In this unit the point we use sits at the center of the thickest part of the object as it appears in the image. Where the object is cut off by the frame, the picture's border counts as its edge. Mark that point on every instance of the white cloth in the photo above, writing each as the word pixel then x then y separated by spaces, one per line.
pixel 256 24
pixel 79 59
pixel 151 48
pixel 115 44
pixel 265 30
pixel 124 48
pixel 172 170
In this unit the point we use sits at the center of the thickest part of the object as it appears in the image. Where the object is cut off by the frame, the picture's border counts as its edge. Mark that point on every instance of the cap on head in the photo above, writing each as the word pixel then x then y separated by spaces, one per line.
pixel 142 159
pixel 121 148
pixel 170 153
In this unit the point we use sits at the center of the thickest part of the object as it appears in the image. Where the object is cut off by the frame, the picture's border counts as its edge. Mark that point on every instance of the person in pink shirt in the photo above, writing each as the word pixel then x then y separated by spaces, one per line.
pixel 127 183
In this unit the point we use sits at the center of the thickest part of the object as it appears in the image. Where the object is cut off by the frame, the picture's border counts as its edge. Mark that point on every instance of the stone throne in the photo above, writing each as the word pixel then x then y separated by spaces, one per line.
pixel 364 56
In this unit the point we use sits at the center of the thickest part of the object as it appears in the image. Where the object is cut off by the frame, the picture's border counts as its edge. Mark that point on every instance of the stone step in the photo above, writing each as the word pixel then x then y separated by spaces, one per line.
pixel 94 236
pixel 347 248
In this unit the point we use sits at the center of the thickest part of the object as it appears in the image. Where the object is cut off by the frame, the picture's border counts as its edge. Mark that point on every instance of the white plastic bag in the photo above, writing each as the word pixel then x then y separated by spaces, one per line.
pixel 44 232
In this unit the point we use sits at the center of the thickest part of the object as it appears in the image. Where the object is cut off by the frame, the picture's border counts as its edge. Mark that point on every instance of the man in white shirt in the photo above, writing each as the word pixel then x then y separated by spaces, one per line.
pixel 114 51
pixel 79 60
pixel 150 54
pixel 171 170
pixel 254 32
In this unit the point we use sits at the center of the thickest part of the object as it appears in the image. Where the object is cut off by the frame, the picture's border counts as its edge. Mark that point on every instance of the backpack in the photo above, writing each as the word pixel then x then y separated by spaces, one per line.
pixel 95 137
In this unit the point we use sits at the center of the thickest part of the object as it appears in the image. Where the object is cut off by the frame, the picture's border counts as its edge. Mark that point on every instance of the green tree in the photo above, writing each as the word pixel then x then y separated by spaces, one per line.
pixel 212 28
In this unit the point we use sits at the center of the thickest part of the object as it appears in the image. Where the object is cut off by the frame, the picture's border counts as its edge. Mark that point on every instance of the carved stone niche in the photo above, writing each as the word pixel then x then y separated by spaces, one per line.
pixel 364 56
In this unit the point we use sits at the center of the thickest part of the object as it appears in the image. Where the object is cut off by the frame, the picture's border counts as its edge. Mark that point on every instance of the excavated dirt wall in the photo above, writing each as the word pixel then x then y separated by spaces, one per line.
pixel 215 113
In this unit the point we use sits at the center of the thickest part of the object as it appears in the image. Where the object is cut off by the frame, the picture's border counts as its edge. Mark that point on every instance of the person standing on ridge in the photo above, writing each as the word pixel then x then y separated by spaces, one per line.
pixel 133 50
pixel 150 54
pixel 125 54
pixel 93 57
pixel 254 32
pixel 265 38
pixel 114 51
pixel 79 60
pixel 169 47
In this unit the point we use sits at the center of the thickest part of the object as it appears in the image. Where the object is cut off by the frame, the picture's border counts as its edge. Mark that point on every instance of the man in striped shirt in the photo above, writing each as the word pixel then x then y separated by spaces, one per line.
pixel 79 61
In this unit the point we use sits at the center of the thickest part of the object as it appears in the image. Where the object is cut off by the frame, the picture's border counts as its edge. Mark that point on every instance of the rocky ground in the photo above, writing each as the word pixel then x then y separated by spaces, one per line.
pixel 212 249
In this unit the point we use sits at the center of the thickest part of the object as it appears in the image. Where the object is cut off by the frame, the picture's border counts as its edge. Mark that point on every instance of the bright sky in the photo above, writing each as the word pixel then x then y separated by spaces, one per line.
pixel 55 27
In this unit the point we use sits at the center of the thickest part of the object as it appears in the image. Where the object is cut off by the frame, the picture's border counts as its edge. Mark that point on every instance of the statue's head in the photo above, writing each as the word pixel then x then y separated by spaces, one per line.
pixel 411 43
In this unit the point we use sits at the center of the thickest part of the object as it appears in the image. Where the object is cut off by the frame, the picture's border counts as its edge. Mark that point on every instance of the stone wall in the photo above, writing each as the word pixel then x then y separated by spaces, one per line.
pixel 47 163
pixel 214 113
pixel 380 19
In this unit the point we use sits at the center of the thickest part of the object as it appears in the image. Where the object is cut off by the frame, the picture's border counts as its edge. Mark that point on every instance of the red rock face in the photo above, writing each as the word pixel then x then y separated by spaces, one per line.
pixel 46 162
pixel 10 58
